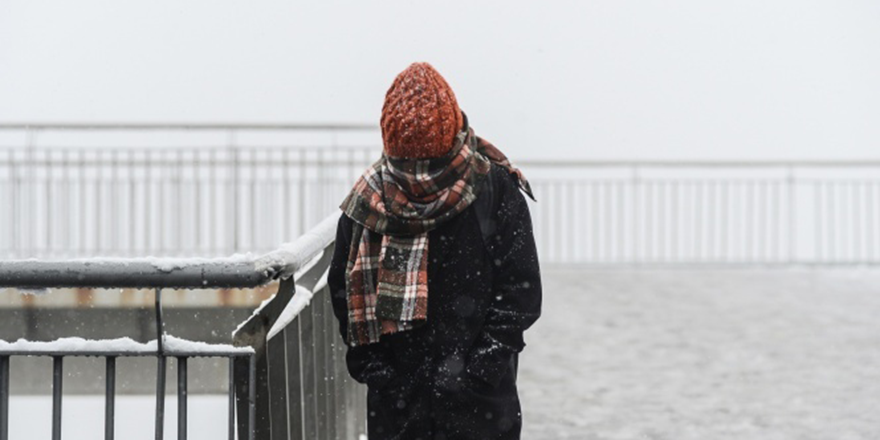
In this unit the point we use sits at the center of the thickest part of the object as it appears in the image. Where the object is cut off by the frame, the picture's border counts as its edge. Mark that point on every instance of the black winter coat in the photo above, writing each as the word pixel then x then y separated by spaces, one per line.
pixel 454 378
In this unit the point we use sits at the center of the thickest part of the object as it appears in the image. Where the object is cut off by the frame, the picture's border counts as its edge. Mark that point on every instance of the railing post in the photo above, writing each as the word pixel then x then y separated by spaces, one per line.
pixel 231 395
pixel 181 398
pixel 57 380
pixel 4 397
pixel 252 397
pixel 110 399
pixel 160 369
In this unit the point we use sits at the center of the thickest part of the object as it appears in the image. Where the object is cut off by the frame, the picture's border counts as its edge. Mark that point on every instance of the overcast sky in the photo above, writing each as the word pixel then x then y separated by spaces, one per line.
pixel 583 79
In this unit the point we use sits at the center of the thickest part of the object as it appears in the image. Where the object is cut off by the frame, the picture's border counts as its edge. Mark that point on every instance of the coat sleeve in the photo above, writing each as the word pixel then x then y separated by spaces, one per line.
pixel 516 295
pixel 370 364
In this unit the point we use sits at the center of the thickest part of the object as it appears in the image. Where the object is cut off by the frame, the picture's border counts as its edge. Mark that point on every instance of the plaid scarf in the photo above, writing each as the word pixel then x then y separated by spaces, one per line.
pixel 394 205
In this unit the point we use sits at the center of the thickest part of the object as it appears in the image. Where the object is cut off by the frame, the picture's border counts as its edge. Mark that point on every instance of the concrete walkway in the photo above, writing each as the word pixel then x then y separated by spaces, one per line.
pixel 704 354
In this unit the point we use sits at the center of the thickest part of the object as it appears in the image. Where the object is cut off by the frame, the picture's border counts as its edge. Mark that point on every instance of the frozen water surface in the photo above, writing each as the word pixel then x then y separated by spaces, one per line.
pixel 704 354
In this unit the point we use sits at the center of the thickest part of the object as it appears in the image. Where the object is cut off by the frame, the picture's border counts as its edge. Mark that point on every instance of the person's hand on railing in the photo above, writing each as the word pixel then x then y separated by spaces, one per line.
pixel 289 258
pixel 276 265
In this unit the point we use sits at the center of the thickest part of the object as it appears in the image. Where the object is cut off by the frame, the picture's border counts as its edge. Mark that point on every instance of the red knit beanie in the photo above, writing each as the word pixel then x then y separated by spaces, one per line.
pixel 420 117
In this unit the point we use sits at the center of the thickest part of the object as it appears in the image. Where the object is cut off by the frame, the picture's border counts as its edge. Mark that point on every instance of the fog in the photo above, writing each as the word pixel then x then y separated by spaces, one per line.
pixel 560 79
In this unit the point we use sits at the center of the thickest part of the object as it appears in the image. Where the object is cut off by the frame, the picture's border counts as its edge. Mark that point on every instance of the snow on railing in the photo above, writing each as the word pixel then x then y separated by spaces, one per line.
pixel 76 346
pixel 239 270
pixel 301 265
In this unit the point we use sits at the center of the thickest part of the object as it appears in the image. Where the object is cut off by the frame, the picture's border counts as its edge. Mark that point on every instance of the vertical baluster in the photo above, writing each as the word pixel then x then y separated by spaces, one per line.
pixel 83 217
pixel 131 158
pixel 817 209
pixel 66 186
pixel 791 214
pixel 113 203
pixel 698 221
pixel 675 224
pixel 231 395
pixel 212 210
pixel 634 213
pixel 234 208
pixel 302 192
pixel 110 398
pixel 572 225
pixel 762 221
pixel 329 374
pixel 308 359
pixel 160 369
pixel 29 200
pixel 14 211
pixel 98 219
pixel 160 397
pixel 252 397
pixel 57 380
pixel 320 361
pixel 278 402
pixel 685 220
pixel 286 233
pixel 750 221
pixel 857 224
pixel 148 201
pixel 621 220
pixel 777 230
pixel 49 212
pixel 594 216
pixel 252 202
pixel 608 232
pixel 710 220
pixel 829 224
pixel 162 208
pixel 181 397
pixel 662 233
pixel 869 221
pixel 725 214
pixel 4 397
pixel 177 195
pixel 648 218
pixel 197 206
pixel 295 382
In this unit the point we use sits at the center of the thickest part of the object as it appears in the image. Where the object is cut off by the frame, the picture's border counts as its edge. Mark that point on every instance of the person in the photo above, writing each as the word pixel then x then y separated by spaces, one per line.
pixel 435 276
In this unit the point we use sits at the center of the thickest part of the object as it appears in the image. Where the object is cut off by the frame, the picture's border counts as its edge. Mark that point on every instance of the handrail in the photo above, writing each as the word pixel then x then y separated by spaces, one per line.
pixel 227 272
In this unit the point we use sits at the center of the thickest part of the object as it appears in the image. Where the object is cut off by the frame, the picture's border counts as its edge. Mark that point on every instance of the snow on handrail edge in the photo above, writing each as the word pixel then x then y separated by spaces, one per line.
pixel 240 270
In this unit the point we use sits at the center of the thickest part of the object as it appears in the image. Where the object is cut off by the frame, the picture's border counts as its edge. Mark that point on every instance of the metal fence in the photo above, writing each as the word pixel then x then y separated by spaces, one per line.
pixel 234 192
pixel 229 189
pixel 708 212
pixel 318 398
pixel 305 390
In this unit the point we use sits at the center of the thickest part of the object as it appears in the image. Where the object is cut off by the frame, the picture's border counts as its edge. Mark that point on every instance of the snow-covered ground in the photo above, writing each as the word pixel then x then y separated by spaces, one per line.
pixel 720 354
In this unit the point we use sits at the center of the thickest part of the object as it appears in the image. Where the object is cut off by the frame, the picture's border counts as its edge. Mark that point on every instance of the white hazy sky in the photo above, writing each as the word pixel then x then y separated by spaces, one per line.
pixel 582 79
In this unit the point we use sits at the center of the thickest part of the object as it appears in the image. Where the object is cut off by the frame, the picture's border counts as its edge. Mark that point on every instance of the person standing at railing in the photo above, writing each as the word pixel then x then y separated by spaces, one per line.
pixel 435 274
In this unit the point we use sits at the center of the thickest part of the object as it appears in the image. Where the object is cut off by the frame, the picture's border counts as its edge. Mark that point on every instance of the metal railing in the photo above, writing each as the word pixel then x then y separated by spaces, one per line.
pixel 72 190
pixel 770 212
pixel 235 192
pixel 302 265
pixel 293 334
